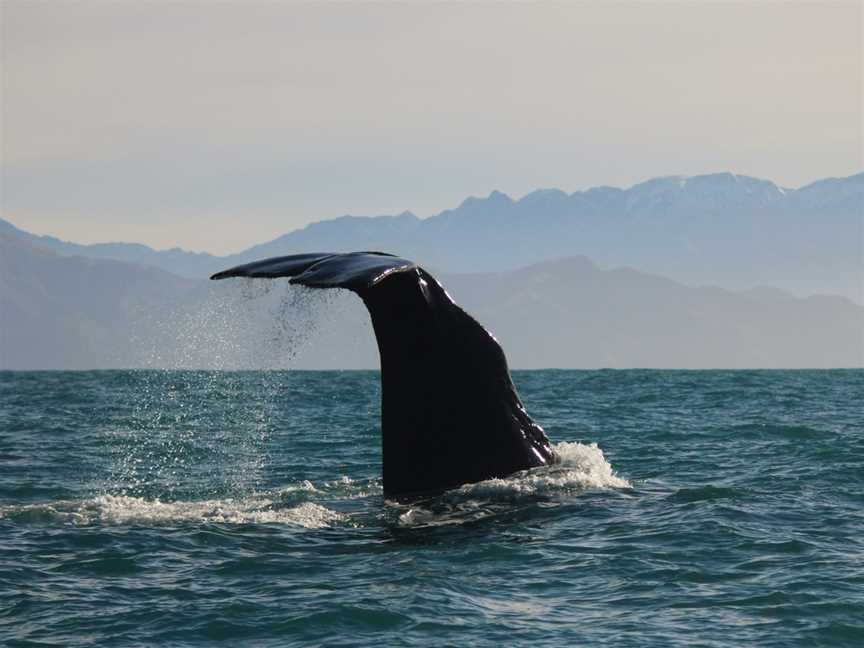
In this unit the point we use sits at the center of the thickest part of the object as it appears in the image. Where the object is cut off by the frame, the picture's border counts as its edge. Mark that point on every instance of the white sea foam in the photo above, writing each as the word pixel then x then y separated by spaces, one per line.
pixel 583 467
pixel 125 510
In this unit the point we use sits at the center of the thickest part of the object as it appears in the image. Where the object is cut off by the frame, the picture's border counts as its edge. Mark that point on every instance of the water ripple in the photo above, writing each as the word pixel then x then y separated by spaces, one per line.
pixel 189 508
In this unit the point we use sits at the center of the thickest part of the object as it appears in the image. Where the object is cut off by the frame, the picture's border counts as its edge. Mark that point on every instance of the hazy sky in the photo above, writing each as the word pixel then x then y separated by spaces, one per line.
pixel 218 125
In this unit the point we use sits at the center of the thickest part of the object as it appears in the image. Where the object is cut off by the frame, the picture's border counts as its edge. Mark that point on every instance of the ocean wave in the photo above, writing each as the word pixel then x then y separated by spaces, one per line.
pixel 703 493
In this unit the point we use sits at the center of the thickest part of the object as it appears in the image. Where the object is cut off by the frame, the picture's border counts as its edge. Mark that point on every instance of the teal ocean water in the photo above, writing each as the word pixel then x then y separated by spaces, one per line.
pixel 715 508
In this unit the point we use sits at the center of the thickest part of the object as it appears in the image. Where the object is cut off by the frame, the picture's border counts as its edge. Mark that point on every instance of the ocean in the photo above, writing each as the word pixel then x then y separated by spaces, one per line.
pixel 199 508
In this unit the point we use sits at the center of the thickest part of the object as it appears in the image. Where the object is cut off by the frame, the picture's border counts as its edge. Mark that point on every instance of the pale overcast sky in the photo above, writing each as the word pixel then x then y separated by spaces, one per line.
pixel 214 126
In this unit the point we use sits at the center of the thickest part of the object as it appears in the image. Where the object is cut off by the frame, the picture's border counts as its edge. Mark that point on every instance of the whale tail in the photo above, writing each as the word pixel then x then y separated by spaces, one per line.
pixel 450 412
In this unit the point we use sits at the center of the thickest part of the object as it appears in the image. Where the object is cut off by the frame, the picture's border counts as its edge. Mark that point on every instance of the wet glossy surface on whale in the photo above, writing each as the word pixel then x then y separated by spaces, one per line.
pixel 450 413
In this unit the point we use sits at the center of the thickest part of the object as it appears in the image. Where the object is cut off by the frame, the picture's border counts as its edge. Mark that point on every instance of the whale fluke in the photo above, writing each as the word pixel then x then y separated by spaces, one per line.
pixel 450 412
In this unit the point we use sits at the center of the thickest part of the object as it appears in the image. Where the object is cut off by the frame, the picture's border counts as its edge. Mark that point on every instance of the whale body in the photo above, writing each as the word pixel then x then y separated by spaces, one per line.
pixel 450 414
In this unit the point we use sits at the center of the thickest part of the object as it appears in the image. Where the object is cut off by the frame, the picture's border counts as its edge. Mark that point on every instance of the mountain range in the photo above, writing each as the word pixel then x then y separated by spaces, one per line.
pixel 74 312
pixel 722 229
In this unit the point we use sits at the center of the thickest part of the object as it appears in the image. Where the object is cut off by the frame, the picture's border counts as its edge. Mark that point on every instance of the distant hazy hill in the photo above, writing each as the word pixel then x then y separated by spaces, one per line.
pixel 58 312
pixel 74 312
pixel 723 229
pixel 568 313
pixel 187 264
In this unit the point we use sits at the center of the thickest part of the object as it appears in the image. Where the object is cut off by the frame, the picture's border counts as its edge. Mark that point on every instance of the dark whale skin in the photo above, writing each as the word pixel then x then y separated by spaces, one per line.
pixel 450 414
